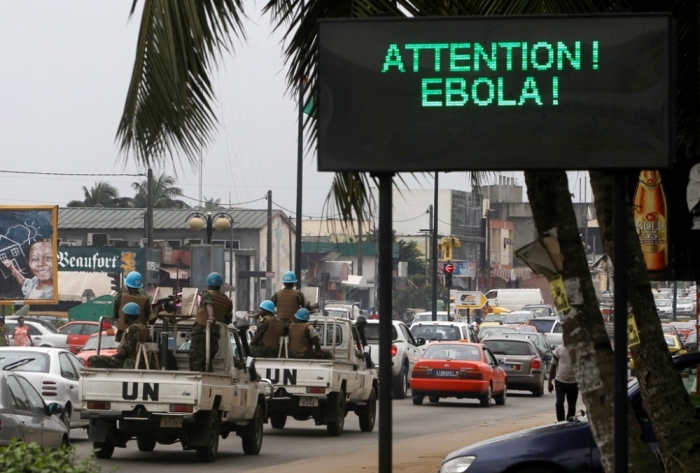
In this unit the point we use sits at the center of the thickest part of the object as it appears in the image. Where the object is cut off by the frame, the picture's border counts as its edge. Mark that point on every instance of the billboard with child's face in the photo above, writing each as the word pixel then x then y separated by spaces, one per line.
pixel 28 244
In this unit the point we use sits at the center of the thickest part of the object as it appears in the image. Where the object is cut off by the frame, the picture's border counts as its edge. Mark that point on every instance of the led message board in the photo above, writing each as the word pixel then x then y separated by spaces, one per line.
pixel 496 93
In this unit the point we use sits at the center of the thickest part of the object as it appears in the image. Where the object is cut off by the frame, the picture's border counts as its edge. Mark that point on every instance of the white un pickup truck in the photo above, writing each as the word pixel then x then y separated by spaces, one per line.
pixel 168 406
pixel 324 390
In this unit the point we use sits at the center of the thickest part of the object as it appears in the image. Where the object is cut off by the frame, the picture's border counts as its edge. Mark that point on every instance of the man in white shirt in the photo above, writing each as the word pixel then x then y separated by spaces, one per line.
pixel 562 373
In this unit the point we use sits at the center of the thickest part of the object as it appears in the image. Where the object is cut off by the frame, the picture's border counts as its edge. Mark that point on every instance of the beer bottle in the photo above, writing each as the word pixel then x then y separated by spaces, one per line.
pixel 650 213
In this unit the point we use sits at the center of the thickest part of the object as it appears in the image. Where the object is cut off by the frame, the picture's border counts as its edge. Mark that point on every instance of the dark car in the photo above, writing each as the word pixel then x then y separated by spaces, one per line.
pixel 566 446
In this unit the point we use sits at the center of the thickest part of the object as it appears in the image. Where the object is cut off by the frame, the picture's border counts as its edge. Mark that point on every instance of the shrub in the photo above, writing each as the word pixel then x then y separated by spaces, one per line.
pixel 19 457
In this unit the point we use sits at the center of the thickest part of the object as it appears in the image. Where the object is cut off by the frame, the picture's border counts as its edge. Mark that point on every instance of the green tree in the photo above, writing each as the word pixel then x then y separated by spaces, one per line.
pixel 212 204
pixel 408 251
pixel 165 194
pixel 102 194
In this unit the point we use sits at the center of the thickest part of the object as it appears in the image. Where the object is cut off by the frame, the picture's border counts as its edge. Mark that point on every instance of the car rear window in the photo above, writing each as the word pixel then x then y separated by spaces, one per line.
pixel 510 347
pixel 31 361
pixel 542 326
pixel 444 351
pixel 436 332
pixel 517 318
pixel 372 333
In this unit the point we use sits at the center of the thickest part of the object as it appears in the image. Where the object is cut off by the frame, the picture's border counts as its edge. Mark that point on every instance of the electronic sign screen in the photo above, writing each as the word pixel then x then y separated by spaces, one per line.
pixel 496 93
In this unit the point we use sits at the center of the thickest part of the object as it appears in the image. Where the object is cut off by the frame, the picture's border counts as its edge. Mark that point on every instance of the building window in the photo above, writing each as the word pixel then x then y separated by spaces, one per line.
pixel 227 243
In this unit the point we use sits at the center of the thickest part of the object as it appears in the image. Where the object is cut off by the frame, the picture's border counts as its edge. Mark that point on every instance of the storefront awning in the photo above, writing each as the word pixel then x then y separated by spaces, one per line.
pixel 72 284
pixel 176 272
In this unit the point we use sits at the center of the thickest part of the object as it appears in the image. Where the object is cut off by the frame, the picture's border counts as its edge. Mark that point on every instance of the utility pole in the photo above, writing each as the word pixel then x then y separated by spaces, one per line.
pixel 268 262
pixel 360 255
pixel 149 221
pixel 585 199
pixel 434 249
pixel 300 175
pixel 430 233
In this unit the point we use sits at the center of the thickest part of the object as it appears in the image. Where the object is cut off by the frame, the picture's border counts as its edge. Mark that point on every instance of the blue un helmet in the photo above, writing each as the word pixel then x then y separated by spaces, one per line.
pixel 133 280
pixel 132 309
pixel 302 314
pixel 215 280
pixel 289 277
pixel 268 306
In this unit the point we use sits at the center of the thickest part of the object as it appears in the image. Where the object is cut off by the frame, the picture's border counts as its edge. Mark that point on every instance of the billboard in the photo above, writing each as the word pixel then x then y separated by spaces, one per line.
pixel 496 93
pixel 93 259
pixel 28 243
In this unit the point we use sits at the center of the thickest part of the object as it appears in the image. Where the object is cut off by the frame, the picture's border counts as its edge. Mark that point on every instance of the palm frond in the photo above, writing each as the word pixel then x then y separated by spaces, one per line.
pixel 168 107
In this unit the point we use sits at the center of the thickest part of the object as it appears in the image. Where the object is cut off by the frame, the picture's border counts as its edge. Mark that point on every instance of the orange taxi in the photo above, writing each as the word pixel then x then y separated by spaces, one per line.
pixel 108 346
pixel 460 370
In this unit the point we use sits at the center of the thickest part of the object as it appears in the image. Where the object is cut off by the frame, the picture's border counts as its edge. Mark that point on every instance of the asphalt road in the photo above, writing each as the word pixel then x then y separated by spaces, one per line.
pixel 304 442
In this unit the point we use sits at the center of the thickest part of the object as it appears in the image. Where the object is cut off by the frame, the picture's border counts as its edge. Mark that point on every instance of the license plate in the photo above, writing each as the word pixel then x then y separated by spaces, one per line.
pixel 445 373
pixel 513 367
pixel 171 422
pixel 308 401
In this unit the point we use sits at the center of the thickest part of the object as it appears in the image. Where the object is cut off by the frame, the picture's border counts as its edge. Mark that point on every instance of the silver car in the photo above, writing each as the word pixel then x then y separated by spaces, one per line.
pixel 25 416
pixel 520 359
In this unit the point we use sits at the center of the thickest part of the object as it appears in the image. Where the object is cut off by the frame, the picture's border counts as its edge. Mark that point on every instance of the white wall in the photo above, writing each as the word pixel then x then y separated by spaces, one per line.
pixel 411 210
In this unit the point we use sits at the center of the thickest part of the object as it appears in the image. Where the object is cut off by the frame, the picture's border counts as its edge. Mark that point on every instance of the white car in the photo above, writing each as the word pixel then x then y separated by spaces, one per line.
pixel 40 333
pixel 443 331
pixel 685 306
pixel 54 373
pixel 404 354
pixel 441 315
pixel 664 307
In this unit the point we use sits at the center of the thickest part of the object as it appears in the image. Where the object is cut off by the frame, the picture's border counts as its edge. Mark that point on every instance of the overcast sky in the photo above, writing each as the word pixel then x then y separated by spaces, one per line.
pixel 65 70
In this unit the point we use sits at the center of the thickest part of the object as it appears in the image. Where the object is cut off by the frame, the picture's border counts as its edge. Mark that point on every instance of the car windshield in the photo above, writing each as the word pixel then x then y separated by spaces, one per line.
pixel 24 361
pixel 508 347
pixel 667 328
pixel 683 326
pixel 540 311
pixel 542 326
pixel 518 318
pixel 106 343
pixel 493 331
pixel 447 351
pixel 372 333
pixel 663 303
pixel 436 332
pixel 670 340
pixel 495 317
pixel 428 317
pixel 339 313
pixel 535 338
pixel 684 301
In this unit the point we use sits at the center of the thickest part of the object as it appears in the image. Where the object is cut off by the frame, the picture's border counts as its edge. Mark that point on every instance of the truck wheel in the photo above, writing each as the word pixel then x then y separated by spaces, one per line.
pixel 400 384
pixel 103 450
pixel 278 422
pixel 146 444
pixel 368 415
pixel 208 452
pixel 335 428
pixel 252 443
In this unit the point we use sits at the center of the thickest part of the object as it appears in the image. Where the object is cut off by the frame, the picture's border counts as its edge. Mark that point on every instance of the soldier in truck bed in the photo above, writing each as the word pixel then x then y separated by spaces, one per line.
pixel 288 300
pixel 133 292
pixel 303 339
pixel 214 306
pixel 126 354
pixel 266 341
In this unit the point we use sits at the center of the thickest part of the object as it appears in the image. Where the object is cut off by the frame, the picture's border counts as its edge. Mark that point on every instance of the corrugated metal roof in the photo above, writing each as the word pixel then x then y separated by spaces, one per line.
pixel 99 218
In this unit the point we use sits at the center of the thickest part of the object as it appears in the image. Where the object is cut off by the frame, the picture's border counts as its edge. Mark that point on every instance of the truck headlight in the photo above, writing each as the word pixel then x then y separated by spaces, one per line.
pixel 457 465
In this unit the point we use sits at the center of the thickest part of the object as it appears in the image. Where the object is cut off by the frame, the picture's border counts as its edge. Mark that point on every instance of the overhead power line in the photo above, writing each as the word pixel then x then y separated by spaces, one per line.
pixel 68 173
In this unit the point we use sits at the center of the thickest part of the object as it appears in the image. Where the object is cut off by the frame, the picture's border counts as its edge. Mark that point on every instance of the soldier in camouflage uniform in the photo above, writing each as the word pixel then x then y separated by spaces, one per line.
pixel 288 300
pixel 214 306
pixel 303 339
pixel 133 292
pixel 269 329
pixel 134 334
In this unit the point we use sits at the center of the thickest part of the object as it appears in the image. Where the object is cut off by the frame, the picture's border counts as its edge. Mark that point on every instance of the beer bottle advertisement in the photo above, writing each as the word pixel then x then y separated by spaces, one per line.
pixel 651 219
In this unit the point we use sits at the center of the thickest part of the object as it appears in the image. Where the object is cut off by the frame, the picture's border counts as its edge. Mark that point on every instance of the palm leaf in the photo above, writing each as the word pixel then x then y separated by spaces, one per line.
pixel 168 106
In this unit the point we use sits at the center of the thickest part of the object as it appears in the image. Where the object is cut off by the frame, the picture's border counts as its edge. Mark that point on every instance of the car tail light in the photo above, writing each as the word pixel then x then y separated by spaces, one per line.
pixel 316 390
pixel 420 372
pixel 181 407
pixel 394 351
pixel 98 405
pixel 535 364
pixel 471 373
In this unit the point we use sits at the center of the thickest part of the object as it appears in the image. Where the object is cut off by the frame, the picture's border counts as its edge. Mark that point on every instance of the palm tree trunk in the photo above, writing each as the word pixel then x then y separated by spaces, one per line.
pixel 584 329
pixel 665 398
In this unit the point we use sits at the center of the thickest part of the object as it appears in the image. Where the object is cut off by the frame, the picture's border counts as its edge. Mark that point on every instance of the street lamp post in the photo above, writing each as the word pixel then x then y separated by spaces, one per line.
pixel 220 220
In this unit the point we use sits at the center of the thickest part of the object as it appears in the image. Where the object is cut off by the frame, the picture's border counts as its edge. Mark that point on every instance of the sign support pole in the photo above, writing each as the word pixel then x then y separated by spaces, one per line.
pixel 434 251
pixel 620 338
pixel 385 322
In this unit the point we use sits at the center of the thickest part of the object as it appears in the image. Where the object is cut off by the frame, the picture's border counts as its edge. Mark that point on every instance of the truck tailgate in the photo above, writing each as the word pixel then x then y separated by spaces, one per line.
pixel 296 375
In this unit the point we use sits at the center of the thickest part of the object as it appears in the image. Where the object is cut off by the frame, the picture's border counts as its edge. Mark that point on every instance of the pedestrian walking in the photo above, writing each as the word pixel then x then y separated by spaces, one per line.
pixel 133 292
pixel 4 338
pixel 215 308
pixel 126 354
pixel 21 334
pixel 561 378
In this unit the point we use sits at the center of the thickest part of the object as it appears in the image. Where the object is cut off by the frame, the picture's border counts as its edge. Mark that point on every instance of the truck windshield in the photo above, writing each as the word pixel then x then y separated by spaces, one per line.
pixel 372 333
